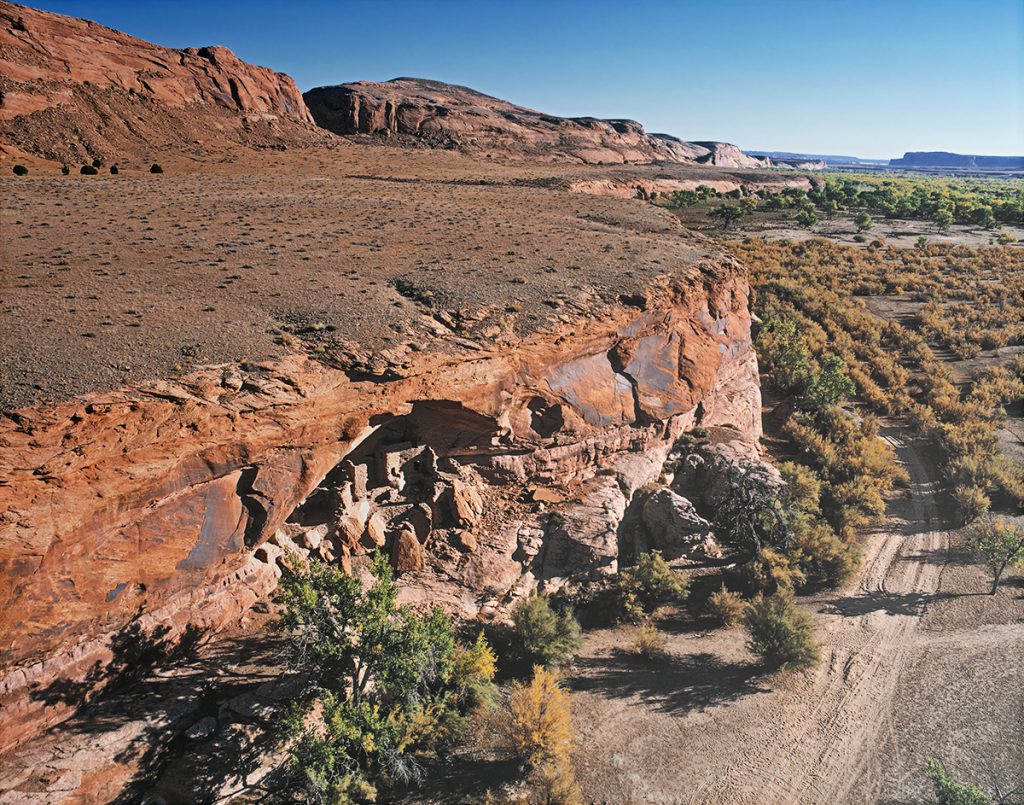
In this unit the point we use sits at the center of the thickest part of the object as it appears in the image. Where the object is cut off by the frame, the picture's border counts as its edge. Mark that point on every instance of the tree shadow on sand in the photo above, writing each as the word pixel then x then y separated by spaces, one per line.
pixel 881 601
pixel 690 683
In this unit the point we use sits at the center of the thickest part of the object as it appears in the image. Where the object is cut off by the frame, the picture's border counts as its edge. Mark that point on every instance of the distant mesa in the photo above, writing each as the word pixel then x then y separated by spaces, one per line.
pixel 945 159
pixel 438 115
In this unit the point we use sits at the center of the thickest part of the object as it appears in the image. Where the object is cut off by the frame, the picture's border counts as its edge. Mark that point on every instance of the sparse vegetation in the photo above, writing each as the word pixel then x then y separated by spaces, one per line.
pixel 154 168
pixel 949 790
pixel 649 642
pixel 19 170
pixel 88 170
pixel 726 607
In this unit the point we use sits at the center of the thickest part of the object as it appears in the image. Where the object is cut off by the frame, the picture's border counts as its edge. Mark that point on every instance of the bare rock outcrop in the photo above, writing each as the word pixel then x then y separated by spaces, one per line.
pixel 72 89
pixel 173 495
pixel 441 115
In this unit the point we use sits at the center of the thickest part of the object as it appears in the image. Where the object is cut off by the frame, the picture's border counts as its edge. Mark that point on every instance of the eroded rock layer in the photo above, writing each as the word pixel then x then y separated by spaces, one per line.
pixel 165 509
pixel 71 89
pixel 447 116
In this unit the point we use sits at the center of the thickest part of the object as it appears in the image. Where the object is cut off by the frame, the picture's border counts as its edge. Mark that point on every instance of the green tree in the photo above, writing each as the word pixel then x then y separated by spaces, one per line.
pixel 863 222
pixel 748 205
pixel 998 545
pixel 830 385
pixel 807 217
pixel 382 683
pixel 943 218
pixel 781 634
pixel 784 354
pixel 949 791
pixel 726 214
pixel 545 636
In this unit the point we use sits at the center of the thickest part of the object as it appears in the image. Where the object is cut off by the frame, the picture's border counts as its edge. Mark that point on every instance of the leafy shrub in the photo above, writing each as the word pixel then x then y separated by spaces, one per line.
pixel 539 727
pixel 949 791
pixel 154 168
pixel 647 585
pixel 781 634
pixel 726 607
pixel 649 642
pixel 823 558
pixel 64 169
pixel 545 636
pixel 97 163
pixel 114 170
pixel 19 170
pixel 88 170
pixel 971 501
pixel 770 572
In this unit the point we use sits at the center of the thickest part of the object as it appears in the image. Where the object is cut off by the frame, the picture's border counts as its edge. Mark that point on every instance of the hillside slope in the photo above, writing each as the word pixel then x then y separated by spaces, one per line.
pixel 72 90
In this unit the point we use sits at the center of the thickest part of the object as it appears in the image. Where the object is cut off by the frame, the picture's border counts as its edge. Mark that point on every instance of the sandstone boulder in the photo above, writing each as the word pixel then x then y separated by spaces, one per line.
pixel 407 552
pixel 673 526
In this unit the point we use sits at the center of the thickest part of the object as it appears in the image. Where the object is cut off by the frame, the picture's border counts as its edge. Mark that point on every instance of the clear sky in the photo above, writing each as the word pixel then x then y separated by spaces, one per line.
pixel 870 78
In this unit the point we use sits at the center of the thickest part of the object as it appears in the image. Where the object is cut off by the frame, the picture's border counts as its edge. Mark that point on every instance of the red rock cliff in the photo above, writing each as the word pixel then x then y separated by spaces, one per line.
pixel 71 88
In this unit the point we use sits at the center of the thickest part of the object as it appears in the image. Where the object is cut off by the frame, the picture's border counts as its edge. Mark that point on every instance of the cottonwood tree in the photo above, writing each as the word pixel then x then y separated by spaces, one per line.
pixel 998 545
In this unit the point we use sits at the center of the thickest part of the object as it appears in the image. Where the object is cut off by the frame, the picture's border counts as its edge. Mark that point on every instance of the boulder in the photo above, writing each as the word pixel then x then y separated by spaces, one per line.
pixel 407 553
pixel 467 505
pixel 673 526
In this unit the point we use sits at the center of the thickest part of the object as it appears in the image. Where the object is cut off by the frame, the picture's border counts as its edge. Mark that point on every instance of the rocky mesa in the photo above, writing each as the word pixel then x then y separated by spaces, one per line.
pixel 441 115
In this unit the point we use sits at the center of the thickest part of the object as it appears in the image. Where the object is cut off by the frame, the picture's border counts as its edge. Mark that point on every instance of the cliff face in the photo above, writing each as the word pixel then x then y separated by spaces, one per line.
pixel 72 89
pixel 945 159
pixel 447 116
pixel 164 509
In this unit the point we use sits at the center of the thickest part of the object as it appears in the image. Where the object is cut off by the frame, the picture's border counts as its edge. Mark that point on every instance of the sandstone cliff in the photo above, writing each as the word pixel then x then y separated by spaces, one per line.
pixel 71 90
pixel 443 115
pixel 147 512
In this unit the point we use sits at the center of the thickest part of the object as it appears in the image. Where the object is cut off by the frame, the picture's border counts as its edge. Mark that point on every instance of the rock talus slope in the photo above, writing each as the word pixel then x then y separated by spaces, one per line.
pixel 448 116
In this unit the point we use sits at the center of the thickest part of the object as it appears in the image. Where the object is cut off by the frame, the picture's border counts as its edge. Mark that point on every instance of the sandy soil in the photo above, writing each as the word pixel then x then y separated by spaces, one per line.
pixel 906 675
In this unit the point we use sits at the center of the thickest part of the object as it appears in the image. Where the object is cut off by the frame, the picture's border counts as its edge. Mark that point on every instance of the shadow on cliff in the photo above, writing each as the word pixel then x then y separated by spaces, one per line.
pixel 690 683
pixel 155 688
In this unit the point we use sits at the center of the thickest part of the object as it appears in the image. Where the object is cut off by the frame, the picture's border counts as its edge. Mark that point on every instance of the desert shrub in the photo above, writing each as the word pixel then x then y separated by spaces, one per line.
pixel 824 559
pixel 88 170
pixel 65 170
pixel 647 585
pixel 999 546
pixel 539 727
pixel 781 634
pixel 649 641
pixel 545 636
pixel 949 790
pixel 97 163
pixel 971 501
pixel 726 607
pixel 114 170
pixel 19 170
pixel 154 168
pixel 770 572
pixel 384 685
pixel 859 238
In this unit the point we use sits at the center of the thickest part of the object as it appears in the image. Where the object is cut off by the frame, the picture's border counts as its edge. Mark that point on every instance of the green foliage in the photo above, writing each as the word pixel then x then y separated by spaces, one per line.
pixel 97 163
pixel 648 584
pixel 545 636
pixel 681 199
pixel 949 791
pixel 114 170
pixel 383 683
pixel 19 170
pixel 726 214
pixel 154 168
pixel 999 546
pixel 972 501
pixel 784 354
pixel 650 642
pixel 752 515
pixel 781 634
pixel 65 170
pixel 863 221
pixel 807 217
pixel 830 385
pixel 88 170
pixel 726 607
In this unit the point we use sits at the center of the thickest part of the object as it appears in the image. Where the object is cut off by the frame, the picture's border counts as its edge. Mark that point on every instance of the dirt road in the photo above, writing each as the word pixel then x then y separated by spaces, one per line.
pixel 705 728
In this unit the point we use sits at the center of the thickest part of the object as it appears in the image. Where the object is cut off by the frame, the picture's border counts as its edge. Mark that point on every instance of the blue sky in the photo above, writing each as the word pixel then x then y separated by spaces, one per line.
pixel 867 77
